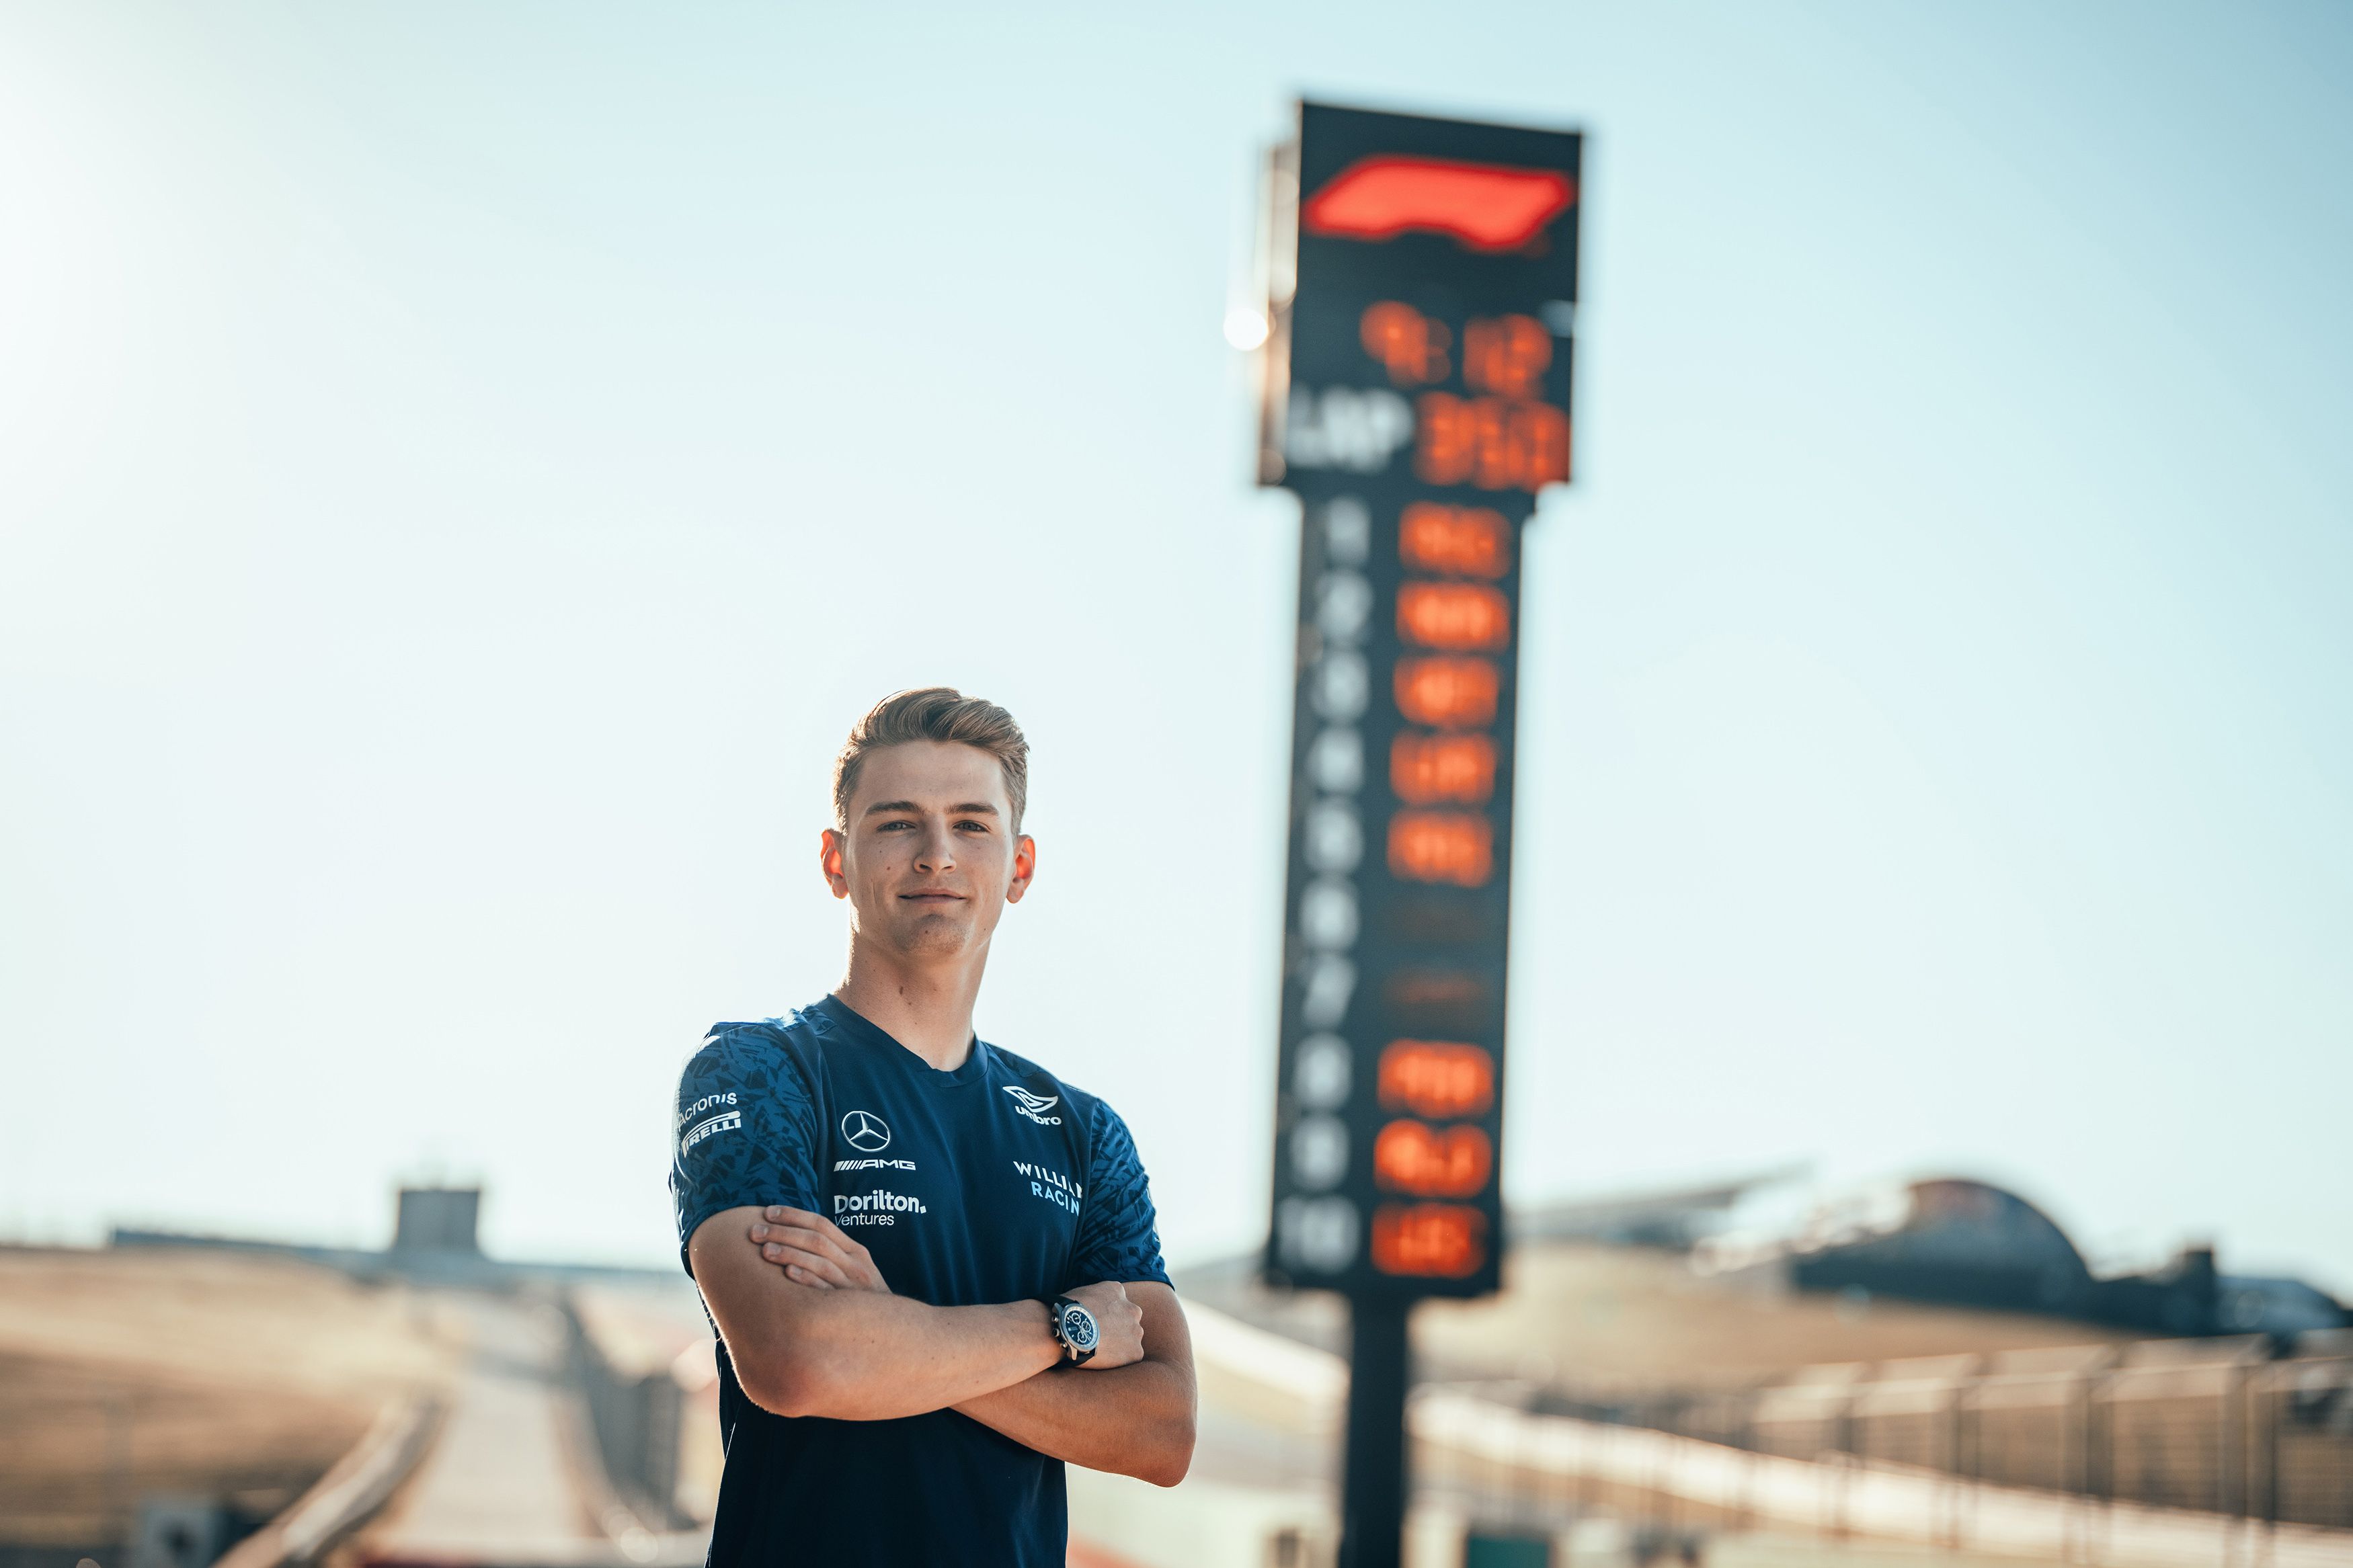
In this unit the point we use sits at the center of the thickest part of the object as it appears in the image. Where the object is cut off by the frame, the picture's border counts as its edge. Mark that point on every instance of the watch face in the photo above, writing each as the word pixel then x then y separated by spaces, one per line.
pixel 1079 1327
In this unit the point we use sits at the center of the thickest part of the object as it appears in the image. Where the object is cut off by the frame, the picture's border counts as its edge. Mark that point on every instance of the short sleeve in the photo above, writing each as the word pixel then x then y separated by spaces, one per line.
pixel 745 1133
pixel 1119 1237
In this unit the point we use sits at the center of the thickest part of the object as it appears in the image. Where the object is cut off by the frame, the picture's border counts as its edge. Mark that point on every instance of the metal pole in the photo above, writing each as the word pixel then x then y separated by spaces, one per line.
pixel 1373 1484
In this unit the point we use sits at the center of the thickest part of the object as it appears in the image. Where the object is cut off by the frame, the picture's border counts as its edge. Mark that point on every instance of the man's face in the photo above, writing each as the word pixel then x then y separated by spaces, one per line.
pixel 929 858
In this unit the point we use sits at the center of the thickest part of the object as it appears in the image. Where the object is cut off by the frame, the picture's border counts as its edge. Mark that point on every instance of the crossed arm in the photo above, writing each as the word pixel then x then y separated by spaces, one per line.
pixel 813 1329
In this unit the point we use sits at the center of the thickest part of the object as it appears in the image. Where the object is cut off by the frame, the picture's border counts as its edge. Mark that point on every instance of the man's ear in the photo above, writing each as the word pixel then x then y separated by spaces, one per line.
pixel 831 845
pixel 1025 867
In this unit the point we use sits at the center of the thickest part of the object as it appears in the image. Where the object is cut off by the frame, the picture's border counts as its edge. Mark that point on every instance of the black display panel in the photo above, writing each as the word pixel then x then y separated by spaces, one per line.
pixel 1418 375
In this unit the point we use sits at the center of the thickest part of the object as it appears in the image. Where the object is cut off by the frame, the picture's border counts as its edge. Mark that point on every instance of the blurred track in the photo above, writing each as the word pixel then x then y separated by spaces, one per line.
pixel 513 1481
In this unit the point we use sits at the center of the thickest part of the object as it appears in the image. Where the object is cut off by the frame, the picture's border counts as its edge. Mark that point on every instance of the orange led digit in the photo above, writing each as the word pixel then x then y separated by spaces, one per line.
pixel 1447 693
pixel 1431 1162
pixel 1543 446
pixel 1453 847
pixel 1437 1078
pixel 1428 770
pixel 1493 443
pixel 1446 1240
pixel 1467 541
pixel 1443 451
pixel 1458 617
pixel 1506 356
pixel 1410 345
pixel 1517 444
pixel 1492 452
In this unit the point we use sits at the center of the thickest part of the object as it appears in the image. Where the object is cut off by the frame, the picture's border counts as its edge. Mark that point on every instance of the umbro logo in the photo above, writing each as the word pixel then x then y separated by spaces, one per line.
pixel 865 1131
pixel 1035 1106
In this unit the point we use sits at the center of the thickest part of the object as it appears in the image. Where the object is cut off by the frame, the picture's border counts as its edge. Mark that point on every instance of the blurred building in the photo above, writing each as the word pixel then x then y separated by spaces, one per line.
pixel 438 1219
pixel 1971 1243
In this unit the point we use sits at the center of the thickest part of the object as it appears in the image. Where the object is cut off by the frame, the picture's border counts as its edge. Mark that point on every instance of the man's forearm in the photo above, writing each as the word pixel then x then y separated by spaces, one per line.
pixel 866 1357
pixel 863 1356
pixel 855 1355
pixel 1135 1420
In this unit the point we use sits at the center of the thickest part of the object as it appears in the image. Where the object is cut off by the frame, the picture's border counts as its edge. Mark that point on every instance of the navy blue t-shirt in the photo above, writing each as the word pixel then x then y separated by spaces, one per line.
pixel 995 1183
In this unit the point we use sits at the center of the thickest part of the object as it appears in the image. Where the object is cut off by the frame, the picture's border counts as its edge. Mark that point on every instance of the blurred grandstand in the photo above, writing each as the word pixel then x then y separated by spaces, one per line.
pixel 1942 1327
pixel 1970 1244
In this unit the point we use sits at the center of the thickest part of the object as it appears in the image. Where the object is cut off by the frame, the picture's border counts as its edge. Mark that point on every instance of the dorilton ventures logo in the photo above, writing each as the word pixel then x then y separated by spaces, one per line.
pixel 865 1131
pixel 877 1202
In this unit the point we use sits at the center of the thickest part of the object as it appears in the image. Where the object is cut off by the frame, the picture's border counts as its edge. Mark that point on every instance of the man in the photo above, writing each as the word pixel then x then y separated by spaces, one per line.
pixel 932 1265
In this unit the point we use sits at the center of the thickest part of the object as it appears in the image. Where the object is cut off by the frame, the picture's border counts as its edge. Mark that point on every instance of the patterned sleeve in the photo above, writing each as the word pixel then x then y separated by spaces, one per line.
pixel 1119 1237
pixel 745 1133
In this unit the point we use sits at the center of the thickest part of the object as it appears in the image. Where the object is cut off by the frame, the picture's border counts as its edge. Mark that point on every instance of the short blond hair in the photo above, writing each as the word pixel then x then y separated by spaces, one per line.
pixel 935 713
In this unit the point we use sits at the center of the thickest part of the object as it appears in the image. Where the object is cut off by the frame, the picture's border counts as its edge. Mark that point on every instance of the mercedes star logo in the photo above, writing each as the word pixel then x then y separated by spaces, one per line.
pixel 865 1131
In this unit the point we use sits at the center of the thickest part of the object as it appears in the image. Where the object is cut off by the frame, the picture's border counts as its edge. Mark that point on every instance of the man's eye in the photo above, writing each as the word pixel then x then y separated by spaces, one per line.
pixel 975 826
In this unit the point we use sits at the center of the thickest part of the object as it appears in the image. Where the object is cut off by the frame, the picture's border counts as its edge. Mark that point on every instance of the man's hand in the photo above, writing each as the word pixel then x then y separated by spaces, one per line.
pixel 1121 1321
pixel 812 1250
pixel 1137 1421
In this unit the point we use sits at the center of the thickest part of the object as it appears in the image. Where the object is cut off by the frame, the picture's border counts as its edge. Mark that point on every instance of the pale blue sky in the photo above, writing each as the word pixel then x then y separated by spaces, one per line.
pixel 465 466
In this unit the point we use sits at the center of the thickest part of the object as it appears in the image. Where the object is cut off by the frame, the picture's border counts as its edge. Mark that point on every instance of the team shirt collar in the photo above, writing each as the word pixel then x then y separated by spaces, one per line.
pixel 839 1017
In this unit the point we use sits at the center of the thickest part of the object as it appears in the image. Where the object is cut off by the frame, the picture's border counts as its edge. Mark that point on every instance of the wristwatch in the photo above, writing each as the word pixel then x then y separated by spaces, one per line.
pixel 1075 1327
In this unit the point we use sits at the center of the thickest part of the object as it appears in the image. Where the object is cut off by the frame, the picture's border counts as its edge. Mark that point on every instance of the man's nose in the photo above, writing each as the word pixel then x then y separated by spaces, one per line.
pixel 937 851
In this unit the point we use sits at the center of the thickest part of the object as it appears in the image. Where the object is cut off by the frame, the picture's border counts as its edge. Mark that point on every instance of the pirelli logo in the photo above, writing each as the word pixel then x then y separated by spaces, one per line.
pixel 722 1122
